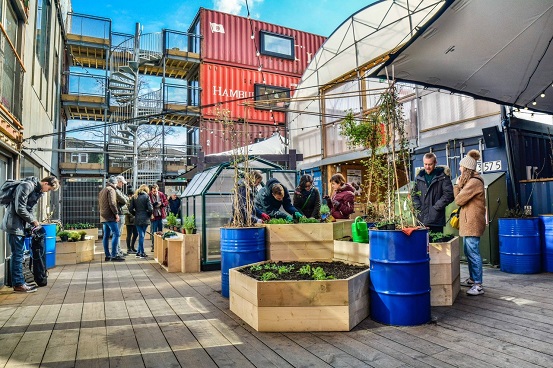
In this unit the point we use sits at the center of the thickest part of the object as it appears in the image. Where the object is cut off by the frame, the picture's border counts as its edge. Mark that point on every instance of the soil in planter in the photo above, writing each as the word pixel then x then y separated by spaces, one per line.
pixel 339 270
pixel 440 238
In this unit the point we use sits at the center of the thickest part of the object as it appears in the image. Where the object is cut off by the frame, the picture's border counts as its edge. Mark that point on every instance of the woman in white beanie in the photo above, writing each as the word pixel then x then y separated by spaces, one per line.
pixel 469 195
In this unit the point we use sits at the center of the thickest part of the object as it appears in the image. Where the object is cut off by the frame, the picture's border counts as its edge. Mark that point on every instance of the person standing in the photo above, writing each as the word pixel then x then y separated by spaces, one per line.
pixel 271 197
pixel 142 209
pixel 132 233
pixel 174 204
pixel 122 201
pixel 432 193
pixel 159 203
pixel 109 217
pixel 307 198
pixel 17 216
pixel 341 203
pixel 470 197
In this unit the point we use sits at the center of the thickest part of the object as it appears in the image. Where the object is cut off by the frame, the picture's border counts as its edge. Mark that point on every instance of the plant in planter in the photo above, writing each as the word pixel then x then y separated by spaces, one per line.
pixel 325 212
pixel 74 236
pixel 169 234
pixel 189 224
pixel 171 221
pixel 382 133
pixel 82 234
pixel 440 237
pixel 324 296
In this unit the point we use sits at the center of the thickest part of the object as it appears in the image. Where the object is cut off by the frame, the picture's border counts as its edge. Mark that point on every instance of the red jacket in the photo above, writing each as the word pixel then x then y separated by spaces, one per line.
pixel 159 212
pixel 341 203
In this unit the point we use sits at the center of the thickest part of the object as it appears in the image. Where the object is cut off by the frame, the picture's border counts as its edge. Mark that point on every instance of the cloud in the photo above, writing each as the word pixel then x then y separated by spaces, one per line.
pixel 234 6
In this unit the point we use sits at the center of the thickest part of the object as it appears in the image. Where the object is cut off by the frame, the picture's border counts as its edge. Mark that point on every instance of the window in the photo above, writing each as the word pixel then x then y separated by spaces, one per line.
pixel 271 97
pixel 9 66
pixel 80 158
pixel 42 36
pixel 273 44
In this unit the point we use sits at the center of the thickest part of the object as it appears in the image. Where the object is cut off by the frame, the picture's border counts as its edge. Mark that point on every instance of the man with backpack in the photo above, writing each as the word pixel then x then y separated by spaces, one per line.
pixel 19 215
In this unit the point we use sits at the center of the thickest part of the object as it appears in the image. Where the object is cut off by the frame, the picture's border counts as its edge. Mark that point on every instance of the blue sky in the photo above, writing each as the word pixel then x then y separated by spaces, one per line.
pixel 321 17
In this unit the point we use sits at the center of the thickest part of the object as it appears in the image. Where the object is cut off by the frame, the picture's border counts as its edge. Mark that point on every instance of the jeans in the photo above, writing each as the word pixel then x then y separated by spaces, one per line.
pixel 472 252
pixel 132 234
pixel 141 232
pixel 156 225
pixel 108 228
pixel 16 245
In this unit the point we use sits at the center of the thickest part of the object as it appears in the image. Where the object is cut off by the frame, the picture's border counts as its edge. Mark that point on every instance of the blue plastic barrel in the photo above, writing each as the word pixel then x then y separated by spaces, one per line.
pixel 50 244
pixel 519 245
pixel 239 247
pixel 400 277
pixel 546 229
pixel 27 243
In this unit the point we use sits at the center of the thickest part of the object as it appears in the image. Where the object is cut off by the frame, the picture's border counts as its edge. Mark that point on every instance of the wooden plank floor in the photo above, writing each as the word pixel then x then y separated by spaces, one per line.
pixel 134 314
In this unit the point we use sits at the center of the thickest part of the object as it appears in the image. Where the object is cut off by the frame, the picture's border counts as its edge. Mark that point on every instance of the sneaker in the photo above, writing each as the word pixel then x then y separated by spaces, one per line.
pixel 137 255
pixel 468 282
pixel 24 289
pixel 117 259
pixel 107 259
pixel 476 290
pixel 152 249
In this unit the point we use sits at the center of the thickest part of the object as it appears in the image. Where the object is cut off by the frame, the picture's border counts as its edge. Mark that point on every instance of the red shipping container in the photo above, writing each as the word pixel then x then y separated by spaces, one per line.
pixel 226 87
pixel 214 138
pixel 227 39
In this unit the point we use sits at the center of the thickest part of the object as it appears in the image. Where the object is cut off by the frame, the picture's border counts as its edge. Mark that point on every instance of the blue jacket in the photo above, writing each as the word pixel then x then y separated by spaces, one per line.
pixel 268 204
pixel 19 212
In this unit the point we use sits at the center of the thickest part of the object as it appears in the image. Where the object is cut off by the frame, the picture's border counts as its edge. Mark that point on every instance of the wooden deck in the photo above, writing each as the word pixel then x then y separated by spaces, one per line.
pixel 134 314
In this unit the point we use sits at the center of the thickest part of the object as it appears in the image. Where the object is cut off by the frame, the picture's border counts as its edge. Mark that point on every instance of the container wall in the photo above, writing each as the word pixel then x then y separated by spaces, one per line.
pixel 213 140
pixel 227 39
pixel 234 87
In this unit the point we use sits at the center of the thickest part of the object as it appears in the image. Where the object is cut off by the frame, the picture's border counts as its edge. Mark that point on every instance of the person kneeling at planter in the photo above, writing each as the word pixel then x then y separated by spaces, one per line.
pixel 272 197
pixel 247 189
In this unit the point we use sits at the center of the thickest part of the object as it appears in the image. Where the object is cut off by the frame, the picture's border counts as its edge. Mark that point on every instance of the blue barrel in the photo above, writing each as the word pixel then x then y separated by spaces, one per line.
pixel 400 277
pixel 27 243
pixel 546 229
pixel 519 245
pixel 239 247
pixel 50 244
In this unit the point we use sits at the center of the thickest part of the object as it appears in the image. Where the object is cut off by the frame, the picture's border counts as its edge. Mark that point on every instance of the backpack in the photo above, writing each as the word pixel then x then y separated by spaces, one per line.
pixel 7 191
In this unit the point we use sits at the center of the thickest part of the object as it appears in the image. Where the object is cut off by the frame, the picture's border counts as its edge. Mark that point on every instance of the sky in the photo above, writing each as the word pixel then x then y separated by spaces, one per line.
pixel 321 17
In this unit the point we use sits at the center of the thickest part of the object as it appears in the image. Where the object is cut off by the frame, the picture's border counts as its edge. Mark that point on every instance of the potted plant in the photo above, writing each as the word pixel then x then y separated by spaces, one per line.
pixel 189 224
pixel 171 221
pixel 74 236
pixel 64 235
pixel 325 211
pixel 445 270
pixel 82 233
pixel 399 258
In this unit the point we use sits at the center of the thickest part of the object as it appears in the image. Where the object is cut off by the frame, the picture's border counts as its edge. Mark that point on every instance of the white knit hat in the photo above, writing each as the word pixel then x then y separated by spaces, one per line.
pixel 469 161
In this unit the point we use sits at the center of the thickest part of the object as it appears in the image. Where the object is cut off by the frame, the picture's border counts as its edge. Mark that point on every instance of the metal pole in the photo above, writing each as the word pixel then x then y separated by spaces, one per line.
pixel 505 123
pixel 135 107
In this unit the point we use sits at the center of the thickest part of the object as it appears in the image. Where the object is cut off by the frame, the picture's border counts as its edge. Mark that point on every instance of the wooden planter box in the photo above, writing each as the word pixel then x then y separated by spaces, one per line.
pixel 351 252
pixel 445 281
pixel 190 255
pixel 68 253
pixel 298 306
pixel 305 242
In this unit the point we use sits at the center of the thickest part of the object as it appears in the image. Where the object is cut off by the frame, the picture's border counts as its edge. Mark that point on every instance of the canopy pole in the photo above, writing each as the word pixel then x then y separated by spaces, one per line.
pixel 505 124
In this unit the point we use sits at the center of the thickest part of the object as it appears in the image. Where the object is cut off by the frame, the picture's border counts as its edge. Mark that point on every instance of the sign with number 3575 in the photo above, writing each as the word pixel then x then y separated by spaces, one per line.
pixel 488 166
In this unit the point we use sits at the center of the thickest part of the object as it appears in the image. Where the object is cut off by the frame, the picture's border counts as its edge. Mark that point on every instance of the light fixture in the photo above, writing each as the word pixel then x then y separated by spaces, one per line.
pixel 542 95
pixel 525 107
pixel 534 102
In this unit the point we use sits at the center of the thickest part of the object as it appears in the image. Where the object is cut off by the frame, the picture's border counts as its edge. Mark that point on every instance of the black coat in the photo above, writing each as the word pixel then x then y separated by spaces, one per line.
pixel 266 203
pixel 308 203
pixel 142 209
pixel 431 200
pixel 19 212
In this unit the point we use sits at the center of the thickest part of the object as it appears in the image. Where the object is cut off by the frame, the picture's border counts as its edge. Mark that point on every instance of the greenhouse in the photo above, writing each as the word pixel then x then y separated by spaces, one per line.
pixel 208 198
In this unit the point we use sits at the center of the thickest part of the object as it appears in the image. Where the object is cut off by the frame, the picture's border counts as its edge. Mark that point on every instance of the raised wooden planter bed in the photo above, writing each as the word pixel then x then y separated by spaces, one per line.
pixel 351 252
pixel 68 253
pixel 445 279
pixel 305 242
pixel 298 306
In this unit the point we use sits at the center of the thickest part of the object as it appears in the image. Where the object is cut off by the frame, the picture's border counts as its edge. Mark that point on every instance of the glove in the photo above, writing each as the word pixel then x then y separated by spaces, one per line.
pixel 298 215
pixel 335 204
pixel 38 230
pixel 289 218
pixel 265 217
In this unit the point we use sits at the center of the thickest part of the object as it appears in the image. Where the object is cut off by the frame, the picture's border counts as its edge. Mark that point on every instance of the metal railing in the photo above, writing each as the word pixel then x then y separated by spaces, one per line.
pixel 86 84
pixel 175 94
pixel 88 25
pixel 181 41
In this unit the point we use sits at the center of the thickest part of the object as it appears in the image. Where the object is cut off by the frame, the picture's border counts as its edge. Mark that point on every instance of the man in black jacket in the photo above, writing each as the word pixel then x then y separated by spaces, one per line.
pixel 433 191
pixel 18 214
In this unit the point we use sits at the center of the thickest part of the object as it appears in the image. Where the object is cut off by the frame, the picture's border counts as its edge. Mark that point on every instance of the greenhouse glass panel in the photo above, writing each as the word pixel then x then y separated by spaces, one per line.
pixel 218 210
pixel 288 179
pixel 224 182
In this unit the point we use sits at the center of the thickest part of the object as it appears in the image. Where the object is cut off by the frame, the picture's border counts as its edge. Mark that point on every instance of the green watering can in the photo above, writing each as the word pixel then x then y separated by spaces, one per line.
pixel 360 231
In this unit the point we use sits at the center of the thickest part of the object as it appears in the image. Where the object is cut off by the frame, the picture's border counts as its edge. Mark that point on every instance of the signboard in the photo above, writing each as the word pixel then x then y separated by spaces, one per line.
pixel 488 166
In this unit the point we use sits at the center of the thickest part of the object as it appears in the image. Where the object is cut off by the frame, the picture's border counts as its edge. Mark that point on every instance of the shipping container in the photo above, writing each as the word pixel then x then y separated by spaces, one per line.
pixel 233 40
pixel 234 89
pixel 214 137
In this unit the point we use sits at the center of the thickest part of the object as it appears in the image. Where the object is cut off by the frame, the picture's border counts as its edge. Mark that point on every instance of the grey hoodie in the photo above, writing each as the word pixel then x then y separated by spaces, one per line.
pixel 19 212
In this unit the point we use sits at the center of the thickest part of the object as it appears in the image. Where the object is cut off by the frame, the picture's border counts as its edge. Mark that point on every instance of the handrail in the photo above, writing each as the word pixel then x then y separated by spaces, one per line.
pixel 13 48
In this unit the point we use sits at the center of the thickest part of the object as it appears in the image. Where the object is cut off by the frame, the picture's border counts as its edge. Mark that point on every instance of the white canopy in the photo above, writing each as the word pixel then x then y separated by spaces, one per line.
pixel 272 145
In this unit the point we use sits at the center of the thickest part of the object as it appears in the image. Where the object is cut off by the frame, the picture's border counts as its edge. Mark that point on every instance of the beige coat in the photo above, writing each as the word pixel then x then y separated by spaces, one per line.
pixel 108 203
pixel 472 219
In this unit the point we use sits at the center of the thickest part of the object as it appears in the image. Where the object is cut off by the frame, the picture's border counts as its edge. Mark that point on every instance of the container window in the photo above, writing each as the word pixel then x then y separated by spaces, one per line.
pixel 273 44
pixel 271 97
